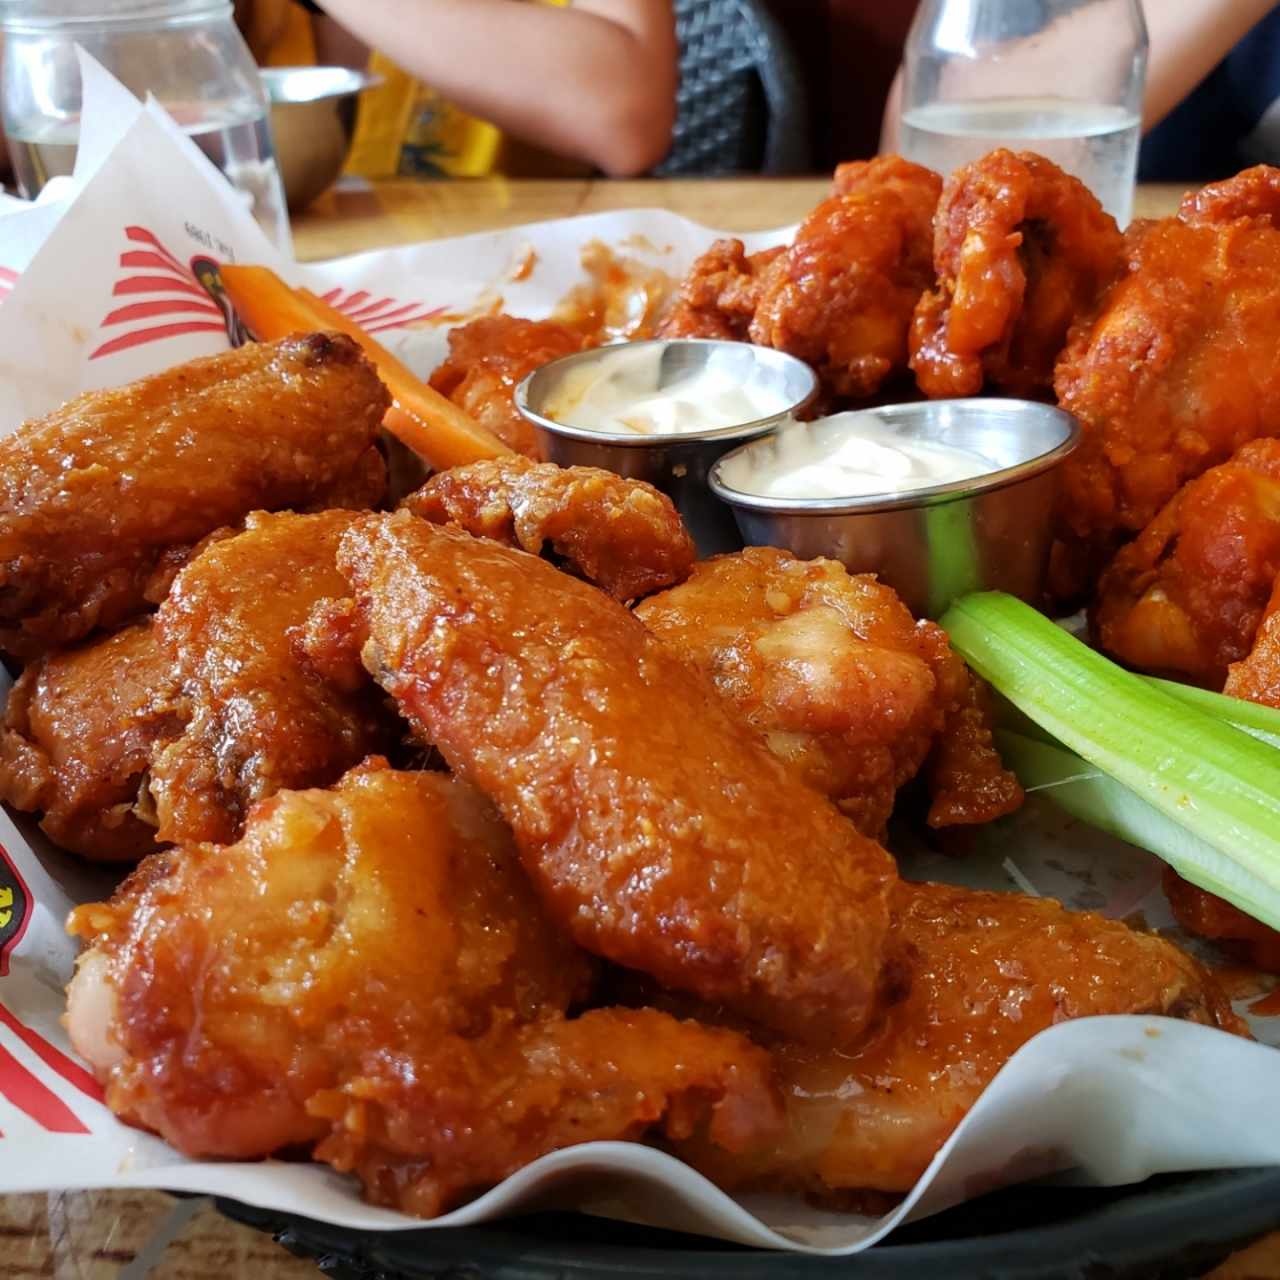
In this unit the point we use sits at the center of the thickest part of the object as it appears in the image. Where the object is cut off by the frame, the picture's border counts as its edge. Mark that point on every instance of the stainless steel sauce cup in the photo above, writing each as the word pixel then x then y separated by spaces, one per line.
pixel 676 463
pixel 989 532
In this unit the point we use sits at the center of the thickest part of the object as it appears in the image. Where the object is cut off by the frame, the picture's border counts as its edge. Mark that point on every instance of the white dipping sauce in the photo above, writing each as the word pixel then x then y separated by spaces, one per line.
pixel 622 393
pixel 874 459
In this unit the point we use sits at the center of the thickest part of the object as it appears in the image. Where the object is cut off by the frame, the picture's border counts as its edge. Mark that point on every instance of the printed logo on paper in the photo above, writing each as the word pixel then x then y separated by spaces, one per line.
pixel 15 908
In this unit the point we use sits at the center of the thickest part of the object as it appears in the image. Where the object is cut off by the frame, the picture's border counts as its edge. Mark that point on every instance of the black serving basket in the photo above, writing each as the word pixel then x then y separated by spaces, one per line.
pixel 1168 1228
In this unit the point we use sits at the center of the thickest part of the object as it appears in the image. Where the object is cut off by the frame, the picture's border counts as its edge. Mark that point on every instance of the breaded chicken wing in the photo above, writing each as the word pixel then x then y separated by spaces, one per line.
pixel 255 715
pixel 661 834
pixel 488 358
pixel 842 294
pixel 369 970
pixel 79 730
pixel 1256 677
pixel 719 295
pixel 623 535
pixel 1205 914
pixel 1177 371
pixel 1186 596
pixel 972 978
pixel 1021 249
pixel 100 499
pixel 840 680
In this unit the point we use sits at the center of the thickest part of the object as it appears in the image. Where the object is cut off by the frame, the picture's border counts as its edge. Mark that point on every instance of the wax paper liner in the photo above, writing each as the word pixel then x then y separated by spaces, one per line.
pixel 116 277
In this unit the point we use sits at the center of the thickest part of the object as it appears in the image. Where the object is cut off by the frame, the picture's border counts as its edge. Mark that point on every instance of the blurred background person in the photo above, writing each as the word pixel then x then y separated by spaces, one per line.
pixel 482 86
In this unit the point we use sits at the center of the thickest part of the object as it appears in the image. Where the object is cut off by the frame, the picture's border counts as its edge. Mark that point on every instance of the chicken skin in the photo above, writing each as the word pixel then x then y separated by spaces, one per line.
pixel 719 295
pixel 1177 371
pixel 368 972
pixel 842 294
pixel 973 977
pixel 623 535
pixel 255 714
pixel 79 730
pixel 839 679
pixel 1186 596
pixel 100 499
pixel 489 357
pixel 1021 249
pixel 661 834
pixel 1256 677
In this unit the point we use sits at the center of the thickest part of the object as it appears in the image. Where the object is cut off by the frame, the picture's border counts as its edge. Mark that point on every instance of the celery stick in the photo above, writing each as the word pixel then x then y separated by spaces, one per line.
pixel 1101 801
pixel 1215 782
pixel 1254 719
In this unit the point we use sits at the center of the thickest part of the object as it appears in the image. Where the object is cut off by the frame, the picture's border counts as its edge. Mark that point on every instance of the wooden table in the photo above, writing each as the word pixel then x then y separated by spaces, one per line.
pixel 126 1235
pixel 402 211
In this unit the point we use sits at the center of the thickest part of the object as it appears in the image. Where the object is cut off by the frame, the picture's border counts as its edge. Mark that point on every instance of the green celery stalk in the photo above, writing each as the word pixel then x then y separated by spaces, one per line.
pixel 1094 797
pixel 1256 720
pixel 1212 780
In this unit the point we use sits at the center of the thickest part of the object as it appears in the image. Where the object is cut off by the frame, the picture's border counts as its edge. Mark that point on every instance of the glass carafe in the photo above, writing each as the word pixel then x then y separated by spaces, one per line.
pixel 188 53
pixel 1063 78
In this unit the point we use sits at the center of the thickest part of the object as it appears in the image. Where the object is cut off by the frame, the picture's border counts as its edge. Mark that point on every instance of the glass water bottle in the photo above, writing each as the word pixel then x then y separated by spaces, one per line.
pixel 1063 78
pixel 188 53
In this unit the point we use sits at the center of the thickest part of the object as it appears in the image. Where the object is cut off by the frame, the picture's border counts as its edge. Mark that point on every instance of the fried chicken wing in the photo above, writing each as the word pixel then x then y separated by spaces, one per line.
pixel 255 715
pixel 623 535
pixel 1021 249
pixel 78 733
pixel 1256 677
pixel 489 357
pixel 1178 370
pixel 661 834
pixel 101 497
pixel 1186 596
pixel 368 970
pixel 719 295
pixel 1208 916
pixel 841 296
pixel 972 978
pixel 839 679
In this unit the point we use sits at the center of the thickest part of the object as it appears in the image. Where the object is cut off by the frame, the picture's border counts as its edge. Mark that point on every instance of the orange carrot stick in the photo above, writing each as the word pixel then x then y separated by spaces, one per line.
pixel 420 416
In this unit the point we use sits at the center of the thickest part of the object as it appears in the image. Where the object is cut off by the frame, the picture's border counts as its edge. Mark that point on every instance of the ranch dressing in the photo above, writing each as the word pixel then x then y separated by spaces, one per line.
pixel 623 392
pixel 873 460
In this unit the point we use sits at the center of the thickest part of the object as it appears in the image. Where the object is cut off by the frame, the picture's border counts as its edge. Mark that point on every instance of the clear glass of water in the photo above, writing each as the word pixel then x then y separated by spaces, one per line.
pixel 1063 78
pixel 188 53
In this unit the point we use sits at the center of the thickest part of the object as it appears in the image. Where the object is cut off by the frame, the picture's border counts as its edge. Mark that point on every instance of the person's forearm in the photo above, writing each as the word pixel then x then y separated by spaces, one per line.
pixel 595 81
pixel 1188 39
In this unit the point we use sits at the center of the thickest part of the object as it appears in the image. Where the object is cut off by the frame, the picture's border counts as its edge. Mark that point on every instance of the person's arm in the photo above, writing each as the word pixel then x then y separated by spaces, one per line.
pixel 1188 39
pixel 596 81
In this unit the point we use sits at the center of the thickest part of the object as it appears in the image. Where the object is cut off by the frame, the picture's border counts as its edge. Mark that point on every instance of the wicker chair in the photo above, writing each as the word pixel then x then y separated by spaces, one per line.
pixel 741 105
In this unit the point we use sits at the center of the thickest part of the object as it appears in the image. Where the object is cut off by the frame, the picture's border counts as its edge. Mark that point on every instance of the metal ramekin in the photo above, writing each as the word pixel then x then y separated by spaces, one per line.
pixel 989 532
pixel 676 464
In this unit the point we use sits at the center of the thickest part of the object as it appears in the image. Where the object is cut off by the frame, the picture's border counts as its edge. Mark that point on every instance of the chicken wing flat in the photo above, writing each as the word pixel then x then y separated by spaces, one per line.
pixel 623 535
pixel 838 677
pixel 1186 596
pixel 1021 249
pixel 98 498
pixel 1175 373
pixel 369 970
pixel 488 358
pixel 719 295
pixel 973 978
pixel 78 734
pixel 842 294
pixel 661 834
pixel 256 716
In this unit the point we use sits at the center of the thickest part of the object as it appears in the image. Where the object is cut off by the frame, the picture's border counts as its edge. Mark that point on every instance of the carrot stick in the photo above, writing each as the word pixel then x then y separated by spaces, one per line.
pixel 420 416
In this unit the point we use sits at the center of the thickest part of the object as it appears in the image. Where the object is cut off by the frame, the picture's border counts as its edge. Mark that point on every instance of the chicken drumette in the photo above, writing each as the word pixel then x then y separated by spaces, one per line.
pixel 841 682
